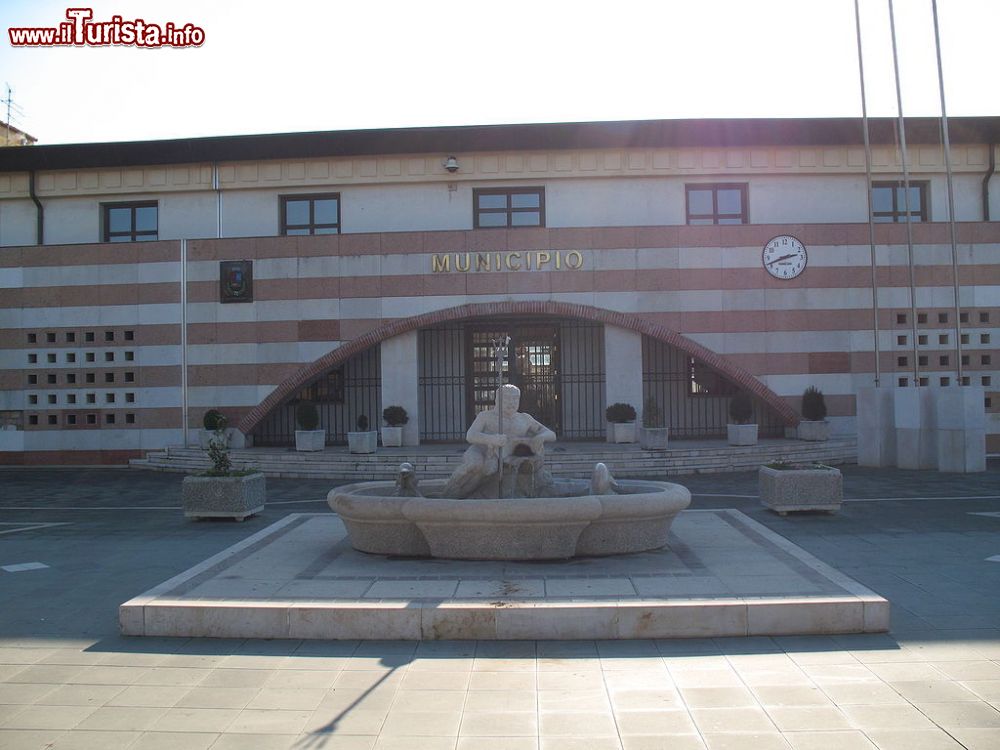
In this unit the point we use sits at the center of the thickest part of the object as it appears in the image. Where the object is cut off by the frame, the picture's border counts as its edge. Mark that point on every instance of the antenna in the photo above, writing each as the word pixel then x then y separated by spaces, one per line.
pixel 14 111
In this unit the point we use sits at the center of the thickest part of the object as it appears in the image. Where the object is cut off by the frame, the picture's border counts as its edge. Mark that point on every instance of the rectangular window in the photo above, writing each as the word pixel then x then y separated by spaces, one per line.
pixel 724 203
pixel 130 222
pixel 889 201
pixel 310 214
pixel 508 207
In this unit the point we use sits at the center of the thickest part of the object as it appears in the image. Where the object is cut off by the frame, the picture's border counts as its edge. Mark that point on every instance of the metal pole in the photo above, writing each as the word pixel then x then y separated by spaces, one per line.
pixel 868 178
pixel 184 346
pixel 500 347
pixel 906 196
pixel 946 145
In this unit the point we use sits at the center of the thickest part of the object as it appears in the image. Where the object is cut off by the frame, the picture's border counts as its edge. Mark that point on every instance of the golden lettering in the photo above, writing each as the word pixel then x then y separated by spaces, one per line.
pixel 483 262
pixel 440 263
pixel 541 258
pixel 491 260
pixel 558 259
pixel 510 258
pixel 458 262
pixel 570 259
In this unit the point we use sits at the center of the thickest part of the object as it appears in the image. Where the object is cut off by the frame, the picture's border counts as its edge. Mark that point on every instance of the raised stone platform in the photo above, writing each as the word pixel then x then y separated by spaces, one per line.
pixel 724 575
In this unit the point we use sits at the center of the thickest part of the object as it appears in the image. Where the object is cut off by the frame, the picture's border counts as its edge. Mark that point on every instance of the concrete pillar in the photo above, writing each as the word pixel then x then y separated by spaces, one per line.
pixel 916 427
pixel 876 427
pixel 961 425
pixel 400 382
pixel 622 369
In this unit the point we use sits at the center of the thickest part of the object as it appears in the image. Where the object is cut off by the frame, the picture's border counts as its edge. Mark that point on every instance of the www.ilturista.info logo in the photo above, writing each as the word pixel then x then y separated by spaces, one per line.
pixel 81 31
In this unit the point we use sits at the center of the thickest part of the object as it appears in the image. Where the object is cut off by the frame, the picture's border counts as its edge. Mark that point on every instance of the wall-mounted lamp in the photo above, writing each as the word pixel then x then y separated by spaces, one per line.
pixel 451 164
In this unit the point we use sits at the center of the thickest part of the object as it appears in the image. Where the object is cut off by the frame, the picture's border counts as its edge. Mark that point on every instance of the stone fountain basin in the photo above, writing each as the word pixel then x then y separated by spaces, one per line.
pixel 571 524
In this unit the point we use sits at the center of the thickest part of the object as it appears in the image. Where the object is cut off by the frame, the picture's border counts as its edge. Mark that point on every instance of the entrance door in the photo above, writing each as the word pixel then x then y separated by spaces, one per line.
pixel 531 362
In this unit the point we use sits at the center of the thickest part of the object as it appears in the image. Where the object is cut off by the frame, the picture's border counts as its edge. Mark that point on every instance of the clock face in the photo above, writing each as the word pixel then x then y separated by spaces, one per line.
pixel 784 257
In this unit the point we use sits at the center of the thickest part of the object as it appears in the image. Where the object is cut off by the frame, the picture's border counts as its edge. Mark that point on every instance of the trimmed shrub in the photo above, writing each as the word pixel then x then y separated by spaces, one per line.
pixel 620 413
pixel 741 408
pixel 395 416
pixel 362 423
pixel 813 405
pixel 213 420
pixel 307 415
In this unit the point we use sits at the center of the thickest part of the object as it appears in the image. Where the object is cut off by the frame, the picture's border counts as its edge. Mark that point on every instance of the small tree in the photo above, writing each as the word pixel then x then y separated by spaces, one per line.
pixel 306 415
pixel 362 423
pixel 218 449
pixel 741 408
pixel 212 419
pixel 620 412
pixel 652 417
pixel 813 405
pixel 395 416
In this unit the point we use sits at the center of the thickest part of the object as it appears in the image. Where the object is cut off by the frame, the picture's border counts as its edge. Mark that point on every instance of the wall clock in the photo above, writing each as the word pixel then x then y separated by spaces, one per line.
pixel 784 257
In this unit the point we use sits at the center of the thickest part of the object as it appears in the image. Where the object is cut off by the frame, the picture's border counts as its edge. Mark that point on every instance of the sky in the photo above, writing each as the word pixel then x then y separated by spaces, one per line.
pixel 291 66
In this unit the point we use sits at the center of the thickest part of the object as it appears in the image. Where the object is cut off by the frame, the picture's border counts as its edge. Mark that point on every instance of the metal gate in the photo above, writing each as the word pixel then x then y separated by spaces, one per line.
pixel 341 396
pixel 693 398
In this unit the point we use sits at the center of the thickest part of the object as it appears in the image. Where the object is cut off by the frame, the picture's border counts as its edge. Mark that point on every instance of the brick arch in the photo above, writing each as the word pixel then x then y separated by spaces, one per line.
pixel 308 373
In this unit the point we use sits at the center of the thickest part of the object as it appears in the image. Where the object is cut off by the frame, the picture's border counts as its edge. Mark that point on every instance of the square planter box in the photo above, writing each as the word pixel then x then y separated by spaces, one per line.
pixel 655 438
pixel 800 487
pixel 623 432
pixel 814 431
pixel 742 434
pixel 223 497
pixel 310 440
pixel 392 437
pixel 362 442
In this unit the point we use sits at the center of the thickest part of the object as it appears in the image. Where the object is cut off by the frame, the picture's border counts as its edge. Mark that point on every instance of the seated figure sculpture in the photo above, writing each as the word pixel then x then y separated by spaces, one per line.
pixel 521 445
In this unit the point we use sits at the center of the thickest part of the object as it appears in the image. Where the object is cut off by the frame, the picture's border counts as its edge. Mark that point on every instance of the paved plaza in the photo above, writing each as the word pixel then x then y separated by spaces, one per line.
pixel 75 544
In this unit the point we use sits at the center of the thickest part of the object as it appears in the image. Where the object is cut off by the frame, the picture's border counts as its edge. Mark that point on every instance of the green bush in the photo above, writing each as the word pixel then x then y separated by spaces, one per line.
pixel 306 415
pixel 741 408
pixel 362 423
pixel 813 405
pixel 395 416
pixel 213 420
pixel 620 413
pixel 652 417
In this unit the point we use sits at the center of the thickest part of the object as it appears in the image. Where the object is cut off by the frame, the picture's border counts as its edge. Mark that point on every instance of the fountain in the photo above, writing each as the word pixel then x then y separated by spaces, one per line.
pixel 502 503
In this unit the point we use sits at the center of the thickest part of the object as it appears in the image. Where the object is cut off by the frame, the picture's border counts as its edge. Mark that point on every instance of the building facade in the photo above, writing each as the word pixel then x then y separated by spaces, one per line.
pixel 659 262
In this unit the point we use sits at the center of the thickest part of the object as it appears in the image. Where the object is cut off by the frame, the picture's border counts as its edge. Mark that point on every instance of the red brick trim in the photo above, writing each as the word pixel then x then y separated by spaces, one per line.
pixel 287 388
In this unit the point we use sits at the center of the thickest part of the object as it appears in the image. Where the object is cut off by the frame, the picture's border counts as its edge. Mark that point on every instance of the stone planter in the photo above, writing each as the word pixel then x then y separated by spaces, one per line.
pixel 310 440
pixel 392 436
pixel 362 442
pixel 800 487
pixel 223 497
pixel 814 431
pixel 623 432
pixel 742 434
pixel 655 438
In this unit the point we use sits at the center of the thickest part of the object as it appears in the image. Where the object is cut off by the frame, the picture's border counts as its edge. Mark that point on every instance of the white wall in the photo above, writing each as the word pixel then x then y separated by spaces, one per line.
pixel 17 223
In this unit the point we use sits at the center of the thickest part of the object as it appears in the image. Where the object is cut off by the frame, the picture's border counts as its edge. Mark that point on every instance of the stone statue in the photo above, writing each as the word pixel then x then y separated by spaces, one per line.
pixel 406 482
pixel 504 432
pixel 601 481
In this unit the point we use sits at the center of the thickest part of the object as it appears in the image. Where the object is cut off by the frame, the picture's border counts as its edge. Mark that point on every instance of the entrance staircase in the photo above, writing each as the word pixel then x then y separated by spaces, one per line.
pixel 564 460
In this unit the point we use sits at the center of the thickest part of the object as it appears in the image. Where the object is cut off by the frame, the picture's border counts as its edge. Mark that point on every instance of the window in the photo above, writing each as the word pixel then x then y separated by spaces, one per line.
pixel 942 338
pixel 32 359
pixel 310 214
pixel 900 340
pixel 70 357
pixel 70 337
pixel 900 319
pixel 109 335
pixel 51 337
pixel 889 201
pixel 717 204
pixel 32 338
pixel 901 361
pixel 130 335
pixel 130 222
pixel 942 317
pixel 508 207
pixel 921 317
pixel 88 336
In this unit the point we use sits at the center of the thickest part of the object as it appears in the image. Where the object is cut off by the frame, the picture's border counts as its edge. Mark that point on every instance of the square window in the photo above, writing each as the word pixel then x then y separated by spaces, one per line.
pixel 90 357
pixel 32 359
pixel 508 207
pixel 900 362
pixel 965 380
pixel 91 398
pixel 32 398
pixel 129 356
pixel 109 377
pixel 965 359
pixel 109 335
pixel 70 337
pixel 53 419
pixel 722 203
pixel 130 419
pixel 900 319
pixel 310 214
pixel 964 338
pixel 984 317
pixel 942 317
pixel 985 359
pixel 129 377
pixel 109 356
pixel 50 358
pixel 130 335
pixel 70 357
pixel 984 338
pixel 986 380
pixel 32 338
pixel 945 381
pixel 924 381
pixel 109 398
pixel 71 398
pixel 88 336
pixel 129 398
pixel 129 222
pixel 90 378
pixel 903 382
pixel 51 378
pixel 91 419
pixel 963 317
pixel 921 317
pixel 891 201
pixel 71 419
pixel 32 419
pixel 50 337
pixel 922 340
pixel 943 360
pixel 32 379
pixel 942 338
pixel 52 398
pixel 901 340
pixel 109 419
pixel 921 360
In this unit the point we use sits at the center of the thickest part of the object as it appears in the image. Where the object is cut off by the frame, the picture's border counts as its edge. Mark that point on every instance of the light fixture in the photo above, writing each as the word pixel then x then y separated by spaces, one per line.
pixel 451 164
